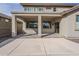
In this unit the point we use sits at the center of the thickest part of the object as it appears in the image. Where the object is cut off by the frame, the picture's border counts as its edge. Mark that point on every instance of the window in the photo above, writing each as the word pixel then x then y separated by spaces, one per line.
pixel 40 9
pixel 28 9
pixel 31 24
pixel 77 22
pixel 46 24
pixel 54 9
pixel 34 9
pixel 25 9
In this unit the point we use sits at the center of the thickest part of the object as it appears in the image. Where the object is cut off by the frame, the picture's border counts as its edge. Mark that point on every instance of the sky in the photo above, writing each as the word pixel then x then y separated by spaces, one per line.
pixel 6 8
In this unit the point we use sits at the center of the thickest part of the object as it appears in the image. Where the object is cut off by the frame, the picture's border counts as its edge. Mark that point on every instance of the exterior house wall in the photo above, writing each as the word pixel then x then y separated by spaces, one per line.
pixel 31 31
pixel 62 9
pixel 44 10
pixel 5 28
pixel 48 30
pixel 63 27
pixel 68 25
pixel 19 27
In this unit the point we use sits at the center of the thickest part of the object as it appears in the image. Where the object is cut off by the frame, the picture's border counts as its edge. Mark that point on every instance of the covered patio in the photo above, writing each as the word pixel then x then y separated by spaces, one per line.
pixel 39 25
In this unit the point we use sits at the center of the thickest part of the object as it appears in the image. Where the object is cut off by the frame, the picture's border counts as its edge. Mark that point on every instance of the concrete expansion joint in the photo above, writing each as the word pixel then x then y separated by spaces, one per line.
pixel 15 48
pixel 44 48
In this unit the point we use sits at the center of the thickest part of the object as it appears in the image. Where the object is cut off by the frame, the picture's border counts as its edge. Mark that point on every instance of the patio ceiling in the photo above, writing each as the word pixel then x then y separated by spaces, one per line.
pixel 35 18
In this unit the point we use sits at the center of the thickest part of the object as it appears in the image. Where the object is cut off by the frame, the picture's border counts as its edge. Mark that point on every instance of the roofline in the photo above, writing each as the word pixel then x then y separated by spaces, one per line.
pixel 5 16
pixel 50 4
pixel 70 10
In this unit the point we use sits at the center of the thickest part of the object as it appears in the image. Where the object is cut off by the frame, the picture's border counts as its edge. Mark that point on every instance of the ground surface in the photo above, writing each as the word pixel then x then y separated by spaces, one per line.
pixel 40 46
pixel 4 38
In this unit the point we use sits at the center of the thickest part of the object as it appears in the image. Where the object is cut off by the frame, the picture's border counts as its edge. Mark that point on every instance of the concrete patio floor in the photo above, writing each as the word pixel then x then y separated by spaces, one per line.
pixel 40 47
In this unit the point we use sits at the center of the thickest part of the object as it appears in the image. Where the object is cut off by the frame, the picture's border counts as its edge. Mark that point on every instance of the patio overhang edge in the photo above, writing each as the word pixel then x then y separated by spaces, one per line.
pixel 22 13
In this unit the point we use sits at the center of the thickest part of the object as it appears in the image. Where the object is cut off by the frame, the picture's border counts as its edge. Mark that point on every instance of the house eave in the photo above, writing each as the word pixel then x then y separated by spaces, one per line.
pixel 50 4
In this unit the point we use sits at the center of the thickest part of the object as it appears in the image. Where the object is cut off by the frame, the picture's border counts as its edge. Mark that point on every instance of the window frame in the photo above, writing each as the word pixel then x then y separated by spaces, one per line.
pixel 76 29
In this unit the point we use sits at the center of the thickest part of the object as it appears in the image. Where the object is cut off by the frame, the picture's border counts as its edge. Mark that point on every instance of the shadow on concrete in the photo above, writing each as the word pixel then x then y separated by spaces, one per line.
pixel 8 39
pixel 48 34
pixel 4 40
pixel 74 40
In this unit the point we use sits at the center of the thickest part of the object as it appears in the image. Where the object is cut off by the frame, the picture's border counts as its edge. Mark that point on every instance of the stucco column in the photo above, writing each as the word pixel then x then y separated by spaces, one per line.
pixel 39 26
pixel 14 26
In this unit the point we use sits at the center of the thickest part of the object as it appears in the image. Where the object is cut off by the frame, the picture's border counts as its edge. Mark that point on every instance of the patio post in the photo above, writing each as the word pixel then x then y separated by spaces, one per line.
pixel 14 26
pixel 39 26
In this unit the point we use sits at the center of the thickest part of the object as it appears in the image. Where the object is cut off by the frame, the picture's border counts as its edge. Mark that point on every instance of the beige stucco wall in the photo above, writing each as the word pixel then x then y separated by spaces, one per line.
pixel 19 28
pixel 68 25
pixel 48 30
pixel 5 28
